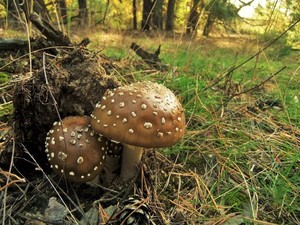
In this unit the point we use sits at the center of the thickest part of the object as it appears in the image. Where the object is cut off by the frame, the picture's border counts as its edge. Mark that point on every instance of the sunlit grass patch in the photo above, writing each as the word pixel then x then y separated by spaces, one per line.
pixel 116 54
pixel 255 156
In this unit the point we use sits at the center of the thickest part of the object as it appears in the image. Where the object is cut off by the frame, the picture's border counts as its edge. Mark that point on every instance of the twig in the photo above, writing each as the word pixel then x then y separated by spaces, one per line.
pixel 48 86
pixel 233 68
pixel 52 185
pixel 123 198
pixel 7 181
pixel 255 86
pixel 8 174
pixel 46 220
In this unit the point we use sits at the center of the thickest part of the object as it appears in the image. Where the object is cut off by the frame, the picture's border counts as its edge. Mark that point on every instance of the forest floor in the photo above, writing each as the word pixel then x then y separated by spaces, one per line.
pixel 238 162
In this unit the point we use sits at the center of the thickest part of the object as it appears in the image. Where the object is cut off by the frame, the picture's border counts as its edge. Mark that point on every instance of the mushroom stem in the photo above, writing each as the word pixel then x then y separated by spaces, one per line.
pixel 131 158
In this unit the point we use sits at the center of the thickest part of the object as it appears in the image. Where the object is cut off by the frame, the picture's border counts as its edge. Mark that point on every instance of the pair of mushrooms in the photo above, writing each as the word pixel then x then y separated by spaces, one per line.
pixel 139 115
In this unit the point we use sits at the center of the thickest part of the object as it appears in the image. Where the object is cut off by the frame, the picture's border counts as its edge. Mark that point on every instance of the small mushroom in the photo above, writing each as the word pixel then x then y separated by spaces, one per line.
pixel 74 150
pixel 143 114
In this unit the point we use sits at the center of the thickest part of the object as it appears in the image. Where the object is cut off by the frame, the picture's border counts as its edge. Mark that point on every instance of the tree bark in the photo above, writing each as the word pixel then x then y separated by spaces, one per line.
pixel 157 14
pixel 170 15
pixel 63 11
pixel 83 12
pixel 193 17
pixel 134 17
pixel 147 14
pixel 208 25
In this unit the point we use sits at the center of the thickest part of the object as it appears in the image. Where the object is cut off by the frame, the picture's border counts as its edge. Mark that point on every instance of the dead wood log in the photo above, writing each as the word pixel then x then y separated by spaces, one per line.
pixel 150 58
pixel 65 87
pixel 12 44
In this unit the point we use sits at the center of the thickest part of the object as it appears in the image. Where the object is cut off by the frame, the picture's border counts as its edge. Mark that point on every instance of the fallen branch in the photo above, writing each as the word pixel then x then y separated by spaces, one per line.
pixel 12 44
pixel 49 32
pixel 150 58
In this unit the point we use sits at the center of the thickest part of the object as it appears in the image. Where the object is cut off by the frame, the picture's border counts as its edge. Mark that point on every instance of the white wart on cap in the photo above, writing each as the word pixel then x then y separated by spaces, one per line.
pixel 75 150
pixel 144 114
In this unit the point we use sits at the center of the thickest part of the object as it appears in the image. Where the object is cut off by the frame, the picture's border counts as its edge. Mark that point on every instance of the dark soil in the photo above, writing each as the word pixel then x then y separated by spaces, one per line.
pixel 63 87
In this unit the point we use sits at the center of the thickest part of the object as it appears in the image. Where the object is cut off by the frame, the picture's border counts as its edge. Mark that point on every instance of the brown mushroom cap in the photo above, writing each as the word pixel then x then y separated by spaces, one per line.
pixel 143 114
pixel 75 150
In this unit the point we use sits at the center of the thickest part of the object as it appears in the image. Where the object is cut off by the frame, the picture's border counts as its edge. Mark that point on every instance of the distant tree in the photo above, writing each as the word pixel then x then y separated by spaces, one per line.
pixel 194 16
pixel 62 8
pixel 105 11
pixel 219 10
pixel 273 18
pixel 170 15
pixel 158 14
pixel 147 14
pixel 83 12
pixel 294 8
pixel 16 7
pixel 134 17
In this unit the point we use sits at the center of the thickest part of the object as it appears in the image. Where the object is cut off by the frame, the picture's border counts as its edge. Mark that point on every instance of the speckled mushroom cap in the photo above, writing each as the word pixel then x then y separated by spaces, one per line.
pixel 144 114
pixel 75 150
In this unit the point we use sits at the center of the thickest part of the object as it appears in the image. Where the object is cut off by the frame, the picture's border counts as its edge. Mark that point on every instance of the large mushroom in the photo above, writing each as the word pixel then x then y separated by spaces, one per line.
pixel 74 150
pixel 143 114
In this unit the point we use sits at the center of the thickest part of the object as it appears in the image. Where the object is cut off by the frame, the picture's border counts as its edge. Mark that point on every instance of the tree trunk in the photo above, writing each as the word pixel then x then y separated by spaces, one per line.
pixel 193 17
pixel 63 11
pixel 14 8
pixel 147 14
pixel 106 11
pixel 40 8
pixel 157 14
pixel 134 17
pixel 83 12
pixel 37 6
pixel 208 25
pixel 170 15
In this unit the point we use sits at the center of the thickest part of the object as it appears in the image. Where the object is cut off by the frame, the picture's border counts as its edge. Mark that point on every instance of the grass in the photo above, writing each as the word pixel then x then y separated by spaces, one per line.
pixel 245 149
